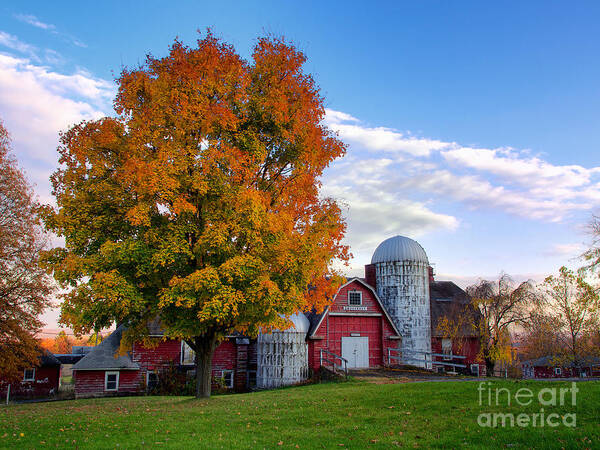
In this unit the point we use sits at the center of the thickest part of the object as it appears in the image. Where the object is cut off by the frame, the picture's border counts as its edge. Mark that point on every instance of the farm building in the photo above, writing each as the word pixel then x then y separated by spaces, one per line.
pixel 396 306
pixel 39 381
pixel 553 367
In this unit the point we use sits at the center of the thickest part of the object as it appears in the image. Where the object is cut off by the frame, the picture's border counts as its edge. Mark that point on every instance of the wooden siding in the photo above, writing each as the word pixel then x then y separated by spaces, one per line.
pixel 344 320
pixel 90 383
pixel 44 385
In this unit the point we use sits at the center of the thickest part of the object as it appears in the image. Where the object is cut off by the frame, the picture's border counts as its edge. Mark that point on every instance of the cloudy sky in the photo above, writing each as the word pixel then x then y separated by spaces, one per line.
pixel 471 128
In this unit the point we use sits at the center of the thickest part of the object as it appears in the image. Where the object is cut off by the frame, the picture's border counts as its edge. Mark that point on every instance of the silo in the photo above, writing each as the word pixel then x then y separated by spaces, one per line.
pixel 402 281
pixel 282 356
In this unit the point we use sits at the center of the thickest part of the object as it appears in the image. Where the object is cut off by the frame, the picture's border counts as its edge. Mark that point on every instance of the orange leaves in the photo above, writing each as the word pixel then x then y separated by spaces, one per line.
pixel 200 202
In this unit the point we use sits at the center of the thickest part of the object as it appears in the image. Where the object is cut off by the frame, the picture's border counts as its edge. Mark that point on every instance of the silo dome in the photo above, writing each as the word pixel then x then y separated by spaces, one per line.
pixel 399 248
pixel 300 323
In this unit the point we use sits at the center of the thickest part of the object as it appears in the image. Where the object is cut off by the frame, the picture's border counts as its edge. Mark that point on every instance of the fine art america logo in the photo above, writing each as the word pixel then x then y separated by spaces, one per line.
pixel 547 398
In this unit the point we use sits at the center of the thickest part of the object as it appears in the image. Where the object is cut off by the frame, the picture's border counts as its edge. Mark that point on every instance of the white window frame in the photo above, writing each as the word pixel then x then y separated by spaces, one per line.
pixel 106 374
pixel 360 295
pixel 148 373
pixel 25 374
pixel 557 371
pixel 184 348
pixel 223 372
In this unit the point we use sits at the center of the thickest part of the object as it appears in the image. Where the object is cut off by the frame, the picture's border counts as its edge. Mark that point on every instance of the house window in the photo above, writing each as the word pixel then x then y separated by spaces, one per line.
pixel 252 379
pixel 151 380
pixel 227 378
pixel 29 375
pixel 557 371
pixel 355 298
pixel 188 356
pixel 111 381
pixel 447 348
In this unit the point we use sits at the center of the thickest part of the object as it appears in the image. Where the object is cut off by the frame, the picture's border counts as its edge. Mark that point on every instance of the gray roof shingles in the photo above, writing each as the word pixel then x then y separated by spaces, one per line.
pixel 105 356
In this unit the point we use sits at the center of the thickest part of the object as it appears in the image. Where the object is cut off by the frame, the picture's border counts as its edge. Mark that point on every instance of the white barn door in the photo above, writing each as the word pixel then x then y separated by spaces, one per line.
pixel 356 351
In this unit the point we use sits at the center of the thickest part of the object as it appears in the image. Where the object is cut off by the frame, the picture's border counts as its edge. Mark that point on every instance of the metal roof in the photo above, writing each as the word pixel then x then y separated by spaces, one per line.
pixel 399 248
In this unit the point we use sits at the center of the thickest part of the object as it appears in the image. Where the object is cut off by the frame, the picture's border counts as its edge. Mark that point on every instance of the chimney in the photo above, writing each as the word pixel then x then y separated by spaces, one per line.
pixel 370 275
pixel 431 275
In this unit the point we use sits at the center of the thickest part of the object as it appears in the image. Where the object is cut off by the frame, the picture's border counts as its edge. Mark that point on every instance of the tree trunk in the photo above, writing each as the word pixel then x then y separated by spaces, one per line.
pixel 205 347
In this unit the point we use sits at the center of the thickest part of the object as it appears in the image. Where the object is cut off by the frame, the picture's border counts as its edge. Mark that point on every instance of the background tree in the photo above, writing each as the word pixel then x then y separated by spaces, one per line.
pixel 502 306
pixel 200 202
pixel 540 335
pixel 25 288
pixel 573 304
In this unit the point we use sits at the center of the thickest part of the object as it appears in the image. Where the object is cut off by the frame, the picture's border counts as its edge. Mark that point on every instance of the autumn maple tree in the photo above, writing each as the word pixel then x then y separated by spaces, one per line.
pixel 25 288
pixel 199 202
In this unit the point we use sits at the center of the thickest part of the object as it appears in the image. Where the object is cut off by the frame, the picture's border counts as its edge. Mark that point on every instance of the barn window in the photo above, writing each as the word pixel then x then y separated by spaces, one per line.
pixel 227 378
pixel 557 371
pixel 29 375
pixel 355 298
pixel 111 381
pixel 151 380
pixel 188 356
pixel 447 348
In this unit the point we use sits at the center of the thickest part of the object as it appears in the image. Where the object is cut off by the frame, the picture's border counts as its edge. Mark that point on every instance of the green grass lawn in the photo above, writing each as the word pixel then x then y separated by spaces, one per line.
pixel 353 414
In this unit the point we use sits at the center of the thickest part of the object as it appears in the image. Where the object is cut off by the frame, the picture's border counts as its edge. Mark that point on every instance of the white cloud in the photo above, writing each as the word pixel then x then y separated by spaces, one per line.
pixel 503 179
pixel 572 250
pixel 35 22
pixel 12 42
pixel 379 138
pixel 36 103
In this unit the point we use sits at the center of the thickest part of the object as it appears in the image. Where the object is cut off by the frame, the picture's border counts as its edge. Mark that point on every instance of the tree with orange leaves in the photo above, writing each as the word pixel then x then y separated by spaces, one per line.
pixel 199 203
pixel 25 288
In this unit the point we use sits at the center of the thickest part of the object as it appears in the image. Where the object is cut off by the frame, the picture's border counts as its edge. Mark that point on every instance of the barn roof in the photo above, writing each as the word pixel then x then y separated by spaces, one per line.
pixel 315 319
pixel 448 300
pixel 69 358
pixel 103 355
pixel 48 359
pixel 554 361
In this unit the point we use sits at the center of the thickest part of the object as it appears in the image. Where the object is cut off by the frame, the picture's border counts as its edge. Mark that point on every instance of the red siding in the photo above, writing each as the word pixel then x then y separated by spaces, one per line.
pixel 470 348
pixel 45 383
pixel 153 358
pixel 370 321
pixel 90 383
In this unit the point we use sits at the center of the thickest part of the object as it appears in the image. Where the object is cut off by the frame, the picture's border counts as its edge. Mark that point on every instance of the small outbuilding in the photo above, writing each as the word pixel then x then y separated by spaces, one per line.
pixel 39 381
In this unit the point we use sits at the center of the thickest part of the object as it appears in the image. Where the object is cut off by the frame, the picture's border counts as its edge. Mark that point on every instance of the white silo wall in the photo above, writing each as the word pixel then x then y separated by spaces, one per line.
pixel 281 359
pixel 403 287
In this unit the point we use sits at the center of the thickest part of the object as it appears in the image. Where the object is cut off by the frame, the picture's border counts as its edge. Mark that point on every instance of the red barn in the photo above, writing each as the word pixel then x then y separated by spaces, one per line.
pixel 551 367
pixel 103 372
pixel 39 381
pixel 355 326
pixel 450 301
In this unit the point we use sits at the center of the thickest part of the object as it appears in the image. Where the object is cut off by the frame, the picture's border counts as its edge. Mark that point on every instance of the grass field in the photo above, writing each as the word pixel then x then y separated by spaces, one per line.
pixel 354 415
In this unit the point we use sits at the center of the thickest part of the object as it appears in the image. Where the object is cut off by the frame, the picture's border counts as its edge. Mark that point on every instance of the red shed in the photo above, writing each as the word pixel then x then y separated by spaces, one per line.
pixel 38 381
pixel 355 326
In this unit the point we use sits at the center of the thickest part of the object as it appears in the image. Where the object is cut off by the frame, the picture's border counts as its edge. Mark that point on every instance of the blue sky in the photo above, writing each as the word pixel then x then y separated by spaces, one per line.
pixel 472 126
